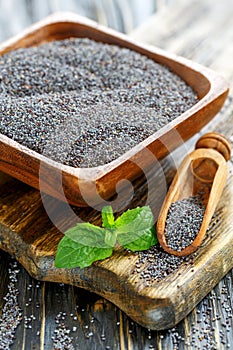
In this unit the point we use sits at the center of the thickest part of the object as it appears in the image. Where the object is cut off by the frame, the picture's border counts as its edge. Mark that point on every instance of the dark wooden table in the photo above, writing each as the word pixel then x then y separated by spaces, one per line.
pixel 57 316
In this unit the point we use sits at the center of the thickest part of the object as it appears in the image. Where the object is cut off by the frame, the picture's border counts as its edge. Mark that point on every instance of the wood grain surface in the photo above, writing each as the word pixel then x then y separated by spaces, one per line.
pixel 123 15
pixel 108 326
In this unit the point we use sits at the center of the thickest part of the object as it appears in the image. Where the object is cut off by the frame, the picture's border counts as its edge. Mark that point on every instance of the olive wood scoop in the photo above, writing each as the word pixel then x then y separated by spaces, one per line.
pixel 202 173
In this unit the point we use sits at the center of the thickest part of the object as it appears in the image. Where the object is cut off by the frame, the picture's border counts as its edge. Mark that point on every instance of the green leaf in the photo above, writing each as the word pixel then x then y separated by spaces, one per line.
pixel 135 229
pixel 136 220
pixel 72 254
pixel 108 217
pixel 147 240
pixel 86 243
pixel 88 235
pixel 110 237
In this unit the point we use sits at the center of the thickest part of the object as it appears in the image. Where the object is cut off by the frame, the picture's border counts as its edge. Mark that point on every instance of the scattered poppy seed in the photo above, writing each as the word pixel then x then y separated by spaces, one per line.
pixel 155 264
pixel 61 338
pixel 11 315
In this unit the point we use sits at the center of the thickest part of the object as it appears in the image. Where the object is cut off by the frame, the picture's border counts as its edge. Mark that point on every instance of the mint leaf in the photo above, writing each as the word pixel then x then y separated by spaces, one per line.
pixel 110 237
pixel 86 243
pixel 135 220
pixel 88 235
pixel 108 217
pixel 72 254
pixel 147 240
pixel 135 229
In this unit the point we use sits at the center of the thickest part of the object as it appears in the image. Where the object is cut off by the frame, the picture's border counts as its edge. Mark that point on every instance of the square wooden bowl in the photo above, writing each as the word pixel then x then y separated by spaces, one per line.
pixel 88 186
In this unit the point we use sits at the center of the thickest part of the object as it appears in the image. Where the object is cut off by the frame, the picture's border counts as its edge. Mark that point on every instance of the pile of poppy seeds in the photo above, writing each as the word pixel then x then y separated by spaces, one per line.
pixel 85 103
pixel 183 222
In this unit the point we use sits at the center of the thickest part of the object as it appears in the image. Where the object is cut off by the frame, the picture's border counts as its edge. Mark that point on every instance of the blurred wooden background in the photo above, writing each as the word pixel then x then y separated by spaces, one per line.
pixel 123 15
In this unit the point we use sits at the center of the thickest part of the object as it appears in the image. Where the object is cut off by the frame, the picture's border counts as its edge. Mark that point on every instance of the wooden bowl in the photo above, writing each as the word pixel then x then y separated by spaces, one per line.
pixel 89 186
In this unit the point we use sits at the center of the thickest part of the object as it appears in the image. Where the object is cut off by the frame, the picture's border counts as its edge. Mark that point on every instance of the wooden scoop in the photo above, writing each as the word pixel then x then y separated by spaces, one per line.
pixel 202 171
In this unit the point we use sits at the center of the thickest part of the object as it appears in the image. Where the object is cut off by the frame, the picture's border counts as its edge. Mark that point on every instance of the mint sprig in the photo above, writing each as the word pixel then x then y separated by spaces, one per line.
pixel 86 243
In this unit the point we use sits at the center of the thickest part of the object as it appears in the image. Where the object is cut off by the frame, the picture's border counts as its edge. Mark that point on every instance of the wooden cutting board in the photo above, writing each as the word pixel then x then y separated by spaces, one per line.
pixel 27 233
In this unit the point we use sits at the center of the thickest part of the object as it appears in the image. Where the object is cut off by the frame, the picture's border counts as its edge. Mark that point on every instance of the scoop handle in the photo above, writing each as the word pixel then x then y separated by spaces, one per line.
pixel 216 141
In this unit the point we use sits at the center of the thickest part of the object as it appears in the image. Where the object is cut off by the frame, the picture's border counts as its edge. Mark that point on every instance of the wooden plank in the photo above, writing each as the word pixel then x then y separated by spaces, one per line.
pixel 91 314
pixel 200 30
pixel 122 15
